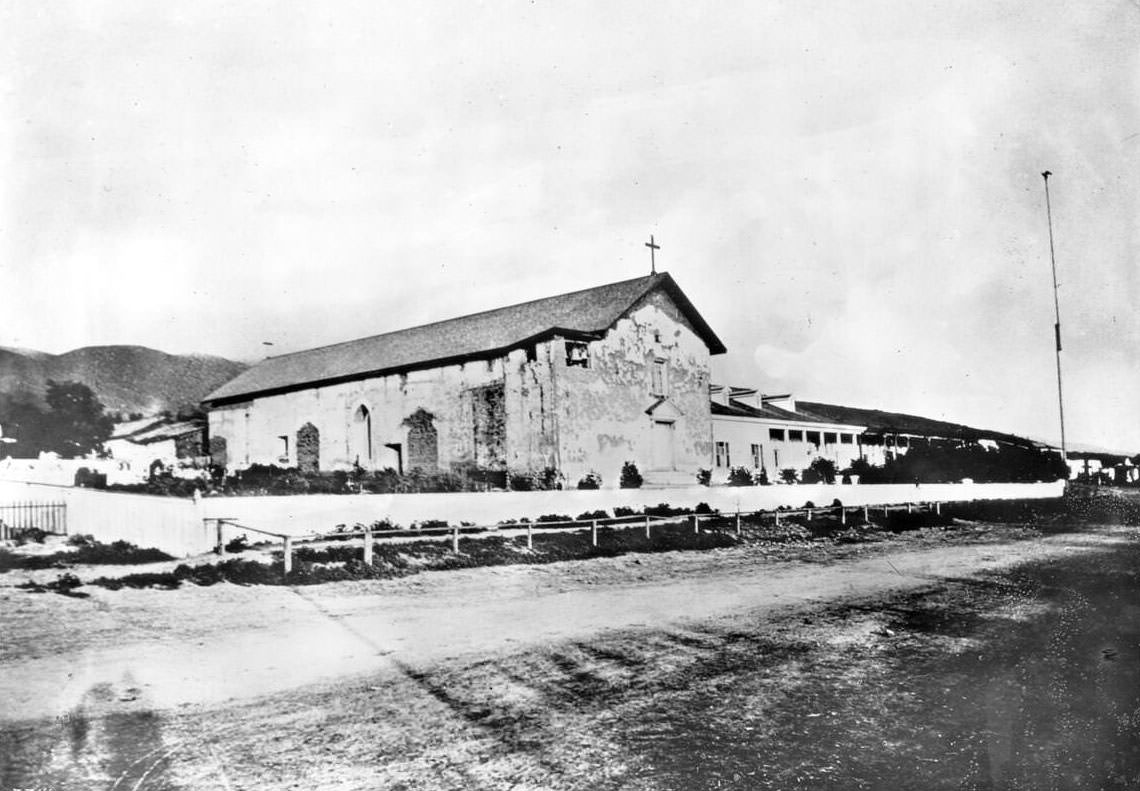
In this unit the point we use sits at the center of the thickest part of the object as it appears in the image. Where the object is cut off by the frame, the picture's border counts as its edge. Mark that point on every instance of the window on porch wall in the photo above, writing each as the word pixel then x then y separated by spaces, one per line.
pixel 757 454
pixel 722 459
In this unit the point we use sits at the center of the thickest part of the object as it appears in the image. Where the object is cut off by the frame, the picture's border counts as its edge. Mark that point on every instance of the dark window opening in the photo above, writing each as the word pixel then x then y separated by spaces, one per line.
pixel 795 436
pixel 813 438
pixel 722 459
pixel 829 438
pixel 577 354
pixel 776 434
pixel 845 439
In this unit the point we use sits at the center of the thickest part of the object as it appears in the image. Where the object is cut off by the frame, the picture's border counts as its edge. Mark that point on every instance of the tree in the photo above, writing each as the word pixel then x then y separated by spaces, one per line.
pixel 76 424
pixel 23 420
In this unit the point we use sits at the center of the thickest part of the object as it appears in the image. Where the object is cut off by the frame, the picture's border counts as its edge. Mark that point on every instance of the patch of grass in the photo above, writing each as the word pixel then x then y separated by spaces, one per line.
pixel 64 584
pixel 315 565
pixel 88 553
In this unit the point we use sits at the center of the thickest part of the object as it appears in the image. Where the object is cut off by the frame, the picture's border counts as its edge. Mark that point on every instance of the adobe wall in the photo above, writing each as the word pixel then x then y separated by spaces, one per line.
pixel 602 408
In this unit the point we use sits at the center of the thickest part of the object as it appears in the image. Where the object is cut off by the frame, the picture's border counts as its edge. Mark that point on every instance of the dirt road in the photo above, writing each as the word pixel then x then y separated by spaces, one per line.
pixel 165 649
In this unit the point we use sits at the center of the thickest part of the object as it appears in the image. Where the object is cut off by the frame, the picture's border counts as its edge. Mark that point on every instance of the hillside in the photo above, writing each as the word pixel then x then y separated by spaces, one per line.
pixel 125 378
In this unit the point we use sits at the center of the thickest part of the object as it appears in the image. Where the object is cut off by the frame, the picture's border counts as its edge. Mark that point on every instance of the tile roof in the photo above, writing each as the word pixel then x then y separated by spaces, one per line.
pixel 770 412
pixel 157 429
pixel 580 313
pixel 881 421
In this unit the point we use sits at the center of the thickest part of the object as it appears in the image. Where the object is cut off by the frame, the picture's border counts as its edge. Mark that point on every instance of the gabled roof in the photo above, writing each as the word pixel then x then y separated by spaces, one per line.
pixel 581 314
pixel 156 429
pixel 769 412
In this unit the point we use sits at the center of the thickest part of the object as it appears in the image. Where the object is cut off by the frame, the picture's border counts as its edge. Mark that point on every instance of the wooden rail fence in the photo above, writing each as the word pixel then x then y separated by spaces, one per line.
pixel 368 534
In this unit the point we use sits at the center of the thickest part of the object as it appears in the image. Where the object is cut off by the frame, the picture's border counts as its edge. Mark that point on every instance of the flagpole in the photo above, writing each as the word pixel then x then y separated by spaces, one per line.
pixel 1057 312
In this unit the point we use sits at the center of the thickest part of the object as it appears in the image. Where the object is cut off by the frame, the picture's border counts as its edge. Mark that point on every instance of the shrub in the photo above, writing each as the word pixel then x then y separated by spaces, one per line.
pixel 763 478
pixel 64 584
pixel 704 477
pixel 238 544
pixel 824 469
pixel 89 478
pixel 427 523
pixel 704 508
pixel 25 534
pixel 535 480
pixel 630 477
pixel 589 515
pixel 789 475
pixel 554 518
pixel 664 509
pixel 591 481
pixel 622 510
pixel 740 476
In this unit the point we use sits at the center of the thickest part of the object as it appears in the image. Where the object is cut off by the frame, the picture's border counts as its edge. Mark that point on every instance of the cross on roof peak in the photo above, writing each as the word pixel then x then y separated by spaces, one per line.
pixel 653 248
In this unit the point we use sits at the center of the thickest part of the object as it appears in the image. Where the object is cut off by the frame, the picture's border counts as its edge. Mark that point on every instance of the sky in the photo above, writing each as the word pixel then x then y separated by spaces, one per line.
pixel 850 193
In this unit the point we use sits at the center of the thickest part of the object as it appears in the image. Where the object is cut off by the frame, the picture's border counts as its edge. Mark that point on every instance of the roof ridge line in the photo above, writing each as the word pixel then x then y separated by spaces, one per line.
pixel 460 318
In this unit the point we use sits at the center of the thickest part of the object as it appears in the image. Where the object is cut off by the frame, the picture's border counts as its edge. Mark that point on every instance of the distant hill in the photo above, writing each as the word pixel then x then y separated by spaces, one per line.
pixel 125 378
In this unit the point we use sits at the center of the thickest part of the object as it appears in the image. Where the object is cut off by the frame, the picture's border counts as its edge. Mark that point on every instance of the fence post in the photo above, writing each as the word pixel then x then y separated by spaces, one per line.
pixel 647 525
pixel 696 523
pixel 842 514
pixel 938 508
pixel 529 536
pixel 455 540
pixel 777 518
pixel 220 548
pixel 809 514
pixel 737 521
pixel 908 508
pixel 368 546
pixel 866 518
pixel 288 553
pixel 594 532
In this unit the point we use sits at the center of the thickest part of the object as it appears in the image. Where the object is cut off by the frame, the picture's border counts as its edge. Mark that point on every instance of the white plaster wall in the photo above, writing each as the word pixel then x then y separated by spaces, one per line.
pixel 302 515
pixel 742 433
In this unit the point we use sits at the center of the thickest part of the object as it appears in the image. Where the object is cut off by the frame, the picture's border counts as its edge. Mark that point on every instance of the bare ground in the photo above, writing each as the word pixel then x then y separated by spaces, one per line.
pixel 679 670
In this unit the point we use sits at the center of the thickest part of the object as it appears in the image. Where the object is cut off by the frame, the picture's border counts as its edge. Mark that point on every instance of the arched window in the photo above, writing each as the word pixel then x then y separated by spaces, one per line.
pixel 423 441
pixel 308 448
pixel 218 454
pixel 360 442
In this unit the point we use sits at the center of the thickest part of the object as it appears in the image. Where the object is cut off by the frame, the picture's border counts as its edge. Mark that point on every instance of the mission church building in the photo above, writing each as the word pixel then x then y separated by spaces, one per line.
pixel 577 383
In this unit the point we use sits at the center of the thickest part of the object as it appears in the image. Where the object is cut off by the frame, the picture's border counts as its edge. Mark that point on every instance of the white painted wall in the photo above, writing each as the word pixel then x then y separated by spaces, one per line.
pixel 176 526
pixel 300 515
pixel 742 433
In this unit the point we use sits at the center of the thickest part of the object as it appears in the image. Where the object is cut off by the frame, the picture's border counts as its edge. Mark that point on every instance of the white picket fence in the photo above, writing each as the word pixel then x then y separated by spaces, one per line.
pixel 184 527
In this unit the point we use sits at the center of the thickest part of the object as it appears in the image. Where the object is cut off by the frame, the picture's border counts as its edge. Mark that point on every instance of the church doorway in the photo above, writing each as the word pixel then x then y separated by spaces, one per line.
pixel 662 445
